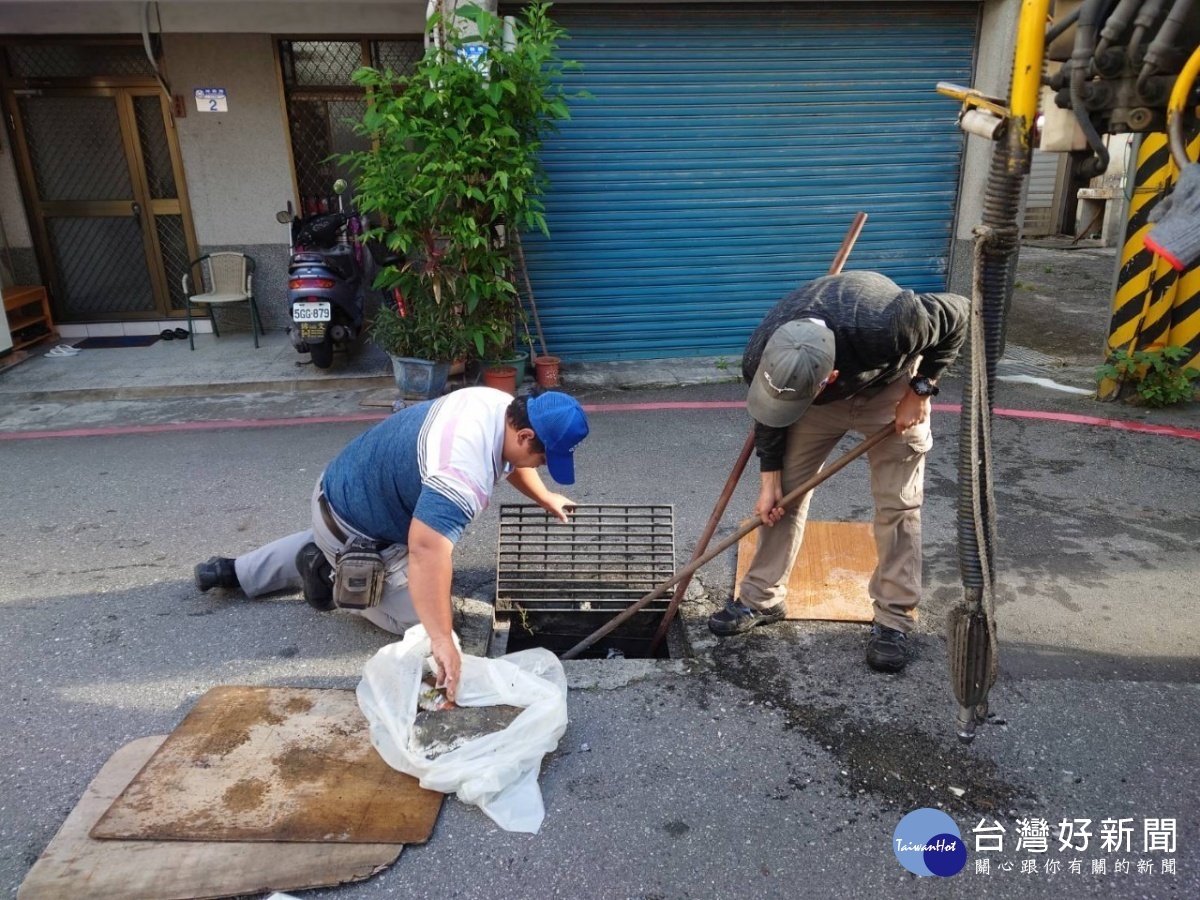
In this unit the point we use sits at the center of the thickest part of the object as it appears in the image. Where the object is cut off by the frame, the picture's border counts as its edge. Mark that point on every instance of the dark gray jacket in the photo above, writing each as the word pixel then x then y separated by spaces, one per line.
pixel 879 330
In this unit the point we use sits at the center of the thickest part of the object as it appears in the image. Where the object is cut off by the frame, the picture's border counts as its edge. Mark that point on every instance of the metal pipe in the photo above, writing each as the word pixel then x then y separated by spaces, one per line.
pixel 848 242
pixel 735 474
pixel 1027 70
pixel 714 519
pixel 688 570
pixel 1176 106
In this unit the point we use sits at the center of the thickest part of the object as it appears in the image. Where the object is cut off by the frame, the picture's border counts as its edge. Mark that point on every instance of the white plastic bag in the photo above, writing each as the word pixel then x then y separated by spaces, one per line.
pixel 497 772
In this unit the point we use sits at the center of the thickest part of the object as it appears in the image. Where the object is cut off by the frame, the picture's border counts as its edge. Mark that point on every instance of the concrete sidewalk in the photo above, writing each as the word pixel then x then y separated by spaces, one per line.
pixel 231 364
pixel 1057 328
pixel 168 368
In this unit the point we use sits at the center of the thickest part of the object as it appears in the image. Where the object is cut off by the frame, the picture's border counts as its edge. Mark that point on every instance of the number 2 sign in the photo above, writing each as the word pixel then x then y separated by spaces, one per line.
pixel 212 100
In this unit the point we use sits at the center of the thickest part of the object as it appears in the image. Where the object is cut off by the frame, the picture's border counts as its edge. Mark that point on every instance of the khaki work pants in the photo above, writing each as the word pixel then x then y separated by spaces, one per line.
pixel 897 484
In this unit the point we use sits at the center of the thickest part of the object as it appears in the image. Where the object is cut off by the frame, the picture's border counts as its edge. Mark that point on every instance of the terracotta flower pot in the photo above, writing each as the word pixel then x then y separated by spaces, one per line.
pixel 546 371
pixel 502 378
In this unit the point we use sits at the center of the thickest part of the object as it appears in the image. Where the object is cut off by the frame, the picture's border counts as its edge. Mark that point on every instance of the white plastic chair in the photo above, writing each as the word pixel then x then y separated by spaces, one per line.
pixel 229 278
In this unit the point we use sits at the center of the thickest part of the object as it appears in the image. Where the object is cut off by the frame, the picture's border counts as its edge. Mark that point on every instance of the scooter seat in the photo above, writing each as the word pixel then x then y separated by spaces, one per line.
pixel 307 259
pixel 341 265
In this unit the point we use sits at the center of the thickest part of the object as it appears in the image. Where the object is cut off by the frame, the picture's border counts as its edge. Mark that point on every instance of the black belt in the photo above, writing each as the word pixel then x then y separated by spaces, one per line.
pixel 330 521
pixel 336 530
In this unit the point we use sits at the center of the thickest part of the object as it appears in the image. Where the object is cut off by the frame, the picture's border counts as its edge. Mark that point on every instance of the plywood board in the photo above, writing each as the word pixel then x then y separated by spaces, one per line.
pixel 830 577
pixel 272 764
pixel 75 865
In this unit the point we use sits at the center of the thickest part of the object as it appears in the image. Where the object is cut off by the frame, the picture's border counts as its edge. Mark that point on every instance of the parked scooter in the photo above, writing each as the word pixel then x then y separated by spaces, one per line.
pixel 327 280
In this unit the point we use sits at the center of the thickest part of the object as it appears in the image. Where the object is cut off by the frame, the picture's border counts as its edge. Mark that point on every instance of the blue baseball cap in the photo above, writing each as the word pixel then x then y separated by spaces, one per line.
pixel 560 425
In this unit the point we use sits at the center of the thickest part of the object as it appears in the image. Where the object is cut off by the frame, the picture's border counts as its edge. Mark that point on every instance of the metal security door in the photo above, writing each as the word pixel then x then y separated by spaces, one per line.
pixel 102 169
pixel 722 154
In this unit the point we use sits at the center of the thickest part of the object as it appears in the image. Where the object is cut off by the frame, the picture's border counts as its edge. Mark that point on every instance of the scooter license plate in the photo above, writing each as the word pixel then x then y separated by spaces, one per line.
pixel 311 312
pixel 314 331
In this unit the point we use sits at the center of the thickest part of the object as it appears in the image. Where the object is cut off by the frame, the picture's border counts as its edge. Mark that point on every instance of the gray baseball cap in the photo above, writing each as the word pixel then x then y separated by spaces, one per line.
pixel 797 358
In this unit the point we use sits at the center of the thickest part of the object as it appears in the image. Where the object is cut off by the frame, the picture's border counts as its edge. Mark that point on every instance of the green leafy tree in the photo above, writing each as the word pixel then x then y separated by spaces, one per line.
pixel 454 167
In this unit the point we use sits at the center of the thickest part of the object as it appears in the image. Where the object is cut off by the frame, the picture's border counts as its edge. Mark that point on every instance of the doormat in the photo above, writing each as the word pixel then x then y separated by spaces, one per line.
pixel 830 577
pixel 119 340
pixel 75 865
pixel 272 764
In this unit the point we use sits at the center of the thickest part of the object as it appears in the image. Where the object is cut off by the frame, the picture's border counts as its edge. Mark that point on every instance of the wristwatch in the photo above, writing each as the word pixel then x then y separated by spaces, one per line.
pixel 923 387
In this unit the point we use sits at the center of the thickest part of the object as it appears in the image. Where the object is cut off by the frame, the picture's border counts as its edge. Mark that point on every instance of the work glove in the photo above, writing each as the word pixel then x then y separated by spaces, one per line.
pixel 1176 232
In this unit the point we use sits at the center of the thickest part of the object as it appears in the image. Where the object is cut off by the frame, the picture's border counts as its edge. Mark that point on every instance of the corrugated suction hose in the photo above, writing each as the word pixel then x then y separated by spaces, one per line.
pixel 971 629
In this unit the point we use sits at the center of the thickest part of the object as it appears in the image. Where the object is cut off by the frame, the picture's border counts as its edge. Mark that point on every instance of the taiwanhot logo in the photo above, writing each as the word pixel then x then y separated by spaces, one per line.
pixel 927 842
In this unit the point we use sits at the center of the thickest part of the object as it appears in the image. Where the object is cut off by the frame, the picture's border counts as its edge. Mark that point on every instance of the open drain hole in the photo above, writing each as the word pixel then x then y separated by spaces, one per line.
pixel 557 583
pixel 558 633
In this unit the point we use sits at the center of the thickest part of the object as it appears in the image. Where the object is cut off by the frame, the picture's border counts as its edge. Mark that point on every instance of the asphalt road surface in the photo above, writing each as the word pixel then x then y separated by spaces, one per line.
pixel 770 765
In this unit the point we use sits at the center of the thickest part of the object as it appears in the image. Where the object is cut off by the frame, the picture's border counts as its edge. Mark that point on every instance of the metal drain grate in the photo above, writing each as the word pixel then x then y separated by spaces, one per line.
pixel 608 557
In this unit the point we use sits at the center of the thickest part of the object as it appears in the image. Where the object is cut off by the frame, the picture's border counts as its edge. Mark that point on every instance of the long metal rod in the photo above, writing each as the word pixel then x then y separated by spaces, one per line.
pixel 710 529
pixel 789 499
pixel 856 227
pixel 735 475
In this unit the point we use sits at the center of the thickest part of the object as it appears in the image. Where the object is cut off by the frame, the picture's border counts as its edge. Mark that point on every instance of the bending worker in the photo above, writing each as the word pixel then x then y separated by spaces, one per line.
pixel 847 352
pixel 398 498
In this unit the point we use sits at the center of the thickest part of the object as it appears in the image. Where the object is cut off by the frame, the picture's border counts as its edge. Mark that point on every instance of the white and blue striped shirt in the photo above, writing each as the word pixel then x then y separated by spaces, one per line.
pixel 437 461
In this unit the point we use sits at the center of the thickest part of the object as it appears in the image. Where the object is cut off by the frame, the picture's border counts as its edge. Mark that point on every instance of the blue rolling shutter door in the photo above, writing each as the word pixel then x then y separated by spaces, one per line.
pixel 725 153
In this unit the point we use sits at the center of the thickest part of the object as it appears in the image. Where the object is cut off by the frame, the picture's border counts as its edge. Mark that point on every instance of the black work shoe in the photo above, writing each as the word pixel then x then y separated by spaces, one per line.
pixel 887 650
pixel 317 574
pixel 217 572
pixel 737 617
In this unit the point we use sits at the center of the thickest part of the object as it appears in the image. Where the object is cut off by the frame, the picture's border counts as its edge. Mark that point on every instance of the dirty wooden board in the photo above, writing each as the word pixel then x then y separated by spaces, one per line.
pixel 75 865
pixel 830 577
pixel 272 764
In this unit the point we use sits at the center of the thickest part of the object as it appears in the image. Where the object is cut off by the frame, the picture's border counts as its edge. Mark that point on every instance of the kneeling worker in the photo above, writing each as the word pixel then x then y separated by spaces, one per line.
pixel 846 352
pixel 387 512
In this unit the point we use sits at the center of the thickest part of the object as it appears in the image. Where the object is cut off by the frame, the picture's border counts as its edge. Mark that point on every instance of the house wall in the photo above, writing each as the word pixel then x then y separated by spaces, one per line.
pixel 236 163
pixel 195 17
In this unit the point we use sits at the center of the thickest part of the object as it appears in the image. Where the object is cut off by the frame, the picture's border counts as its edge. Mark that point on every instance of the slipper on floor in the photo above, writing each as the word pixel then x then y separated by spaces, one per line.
pixel 62 351
pixel 181 333
pixel 167 334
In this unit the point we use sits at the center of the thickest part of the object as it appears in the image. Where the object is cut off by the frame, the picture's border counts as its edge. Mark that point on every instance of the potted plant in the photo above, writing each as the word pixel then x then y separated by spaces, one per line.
pixel 490 336
pixel 454 171
pixel 422 339
pixel 500 376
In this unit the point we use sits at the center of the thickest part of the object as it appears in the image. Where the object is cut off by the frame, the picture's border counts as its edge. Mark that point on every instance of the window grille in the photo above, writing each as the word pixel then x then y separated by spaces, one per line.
pixel 323 104
pixel 77 60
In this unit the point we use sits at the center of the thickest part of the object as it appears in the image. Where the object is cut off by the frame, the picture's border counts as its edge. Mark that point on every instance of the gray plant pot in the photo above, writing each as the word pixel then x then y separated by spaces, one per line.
pixel 419 379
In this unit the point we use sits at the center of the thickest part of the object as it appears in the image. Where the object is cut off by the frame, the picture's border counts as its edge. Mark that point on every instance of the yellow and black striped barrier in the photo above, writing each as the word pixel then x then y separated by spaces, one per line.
pixel 1153 305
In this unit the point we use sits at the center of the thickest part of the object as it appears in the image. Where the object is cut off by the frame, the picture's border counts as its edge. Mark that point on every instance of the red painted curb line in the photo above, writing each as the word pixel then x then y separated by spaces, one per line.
pixel 1068 418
